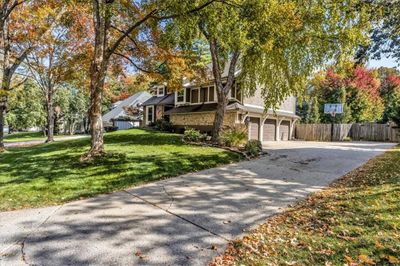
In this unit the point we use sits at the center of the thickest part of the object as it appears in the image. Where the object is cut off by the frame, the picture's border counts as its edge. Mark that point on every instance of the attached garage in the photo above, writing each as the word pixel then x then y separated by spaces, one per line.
pixel 254 127
pixel 284 130
pixel 269 130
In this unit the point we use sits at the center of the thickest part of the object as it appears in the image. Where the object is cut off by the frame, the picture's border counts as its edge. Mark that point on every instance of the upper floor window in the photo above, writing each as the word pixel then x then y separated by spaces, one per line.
pixel 211 93
pixel 160 91
pixel 194 96
pixel 236 92
pixel 180 96
pixel 204 94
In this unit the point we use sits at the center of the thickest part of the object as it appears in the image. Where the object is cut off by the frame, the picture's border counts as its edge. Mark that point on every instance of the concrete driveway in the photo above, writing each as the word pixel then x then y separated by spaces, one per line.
pixel 180 221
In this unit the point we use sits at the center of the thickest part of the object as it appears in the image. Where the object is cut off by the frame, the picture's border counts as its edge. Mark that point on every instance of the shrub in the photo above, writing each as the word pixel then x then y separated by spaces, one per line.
pixel 235 136
pixel 193 135
pixel 163 125
pixel 110 128
pixel 253 148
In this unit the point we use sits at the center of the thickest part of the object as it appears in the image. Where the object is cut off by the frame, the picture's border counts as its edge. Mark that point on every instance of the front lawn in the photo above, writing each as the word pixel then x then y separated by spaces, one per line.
pixel 356 221
pixel 23 136
pixel 51 174
pixel 26 136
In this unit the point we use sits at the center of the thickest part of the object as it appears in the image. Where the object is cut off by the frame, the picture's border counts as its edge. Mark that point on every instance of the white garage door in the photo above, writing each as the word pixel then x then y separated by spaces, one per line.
pixel 254 128
pixel 269 130
pixel 284 130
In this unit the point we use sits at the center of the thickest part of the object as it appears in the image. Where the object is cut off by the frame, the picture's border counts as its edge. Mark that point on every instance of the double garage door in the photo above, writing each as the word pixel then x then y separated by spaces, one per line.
pixel 269 130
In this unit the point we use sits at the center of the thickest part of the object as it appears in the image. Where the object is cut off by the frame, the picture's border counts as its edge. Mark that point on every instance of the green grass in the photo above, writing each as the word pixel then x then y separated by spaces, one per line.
pixel 356 221
pixel 23 136
pixel 51 174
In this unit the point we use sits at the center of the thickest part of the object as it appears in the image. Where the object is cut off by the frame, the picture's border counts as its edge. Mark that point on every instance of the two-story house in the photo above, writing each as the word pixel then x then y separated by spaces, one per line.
pixel 195 105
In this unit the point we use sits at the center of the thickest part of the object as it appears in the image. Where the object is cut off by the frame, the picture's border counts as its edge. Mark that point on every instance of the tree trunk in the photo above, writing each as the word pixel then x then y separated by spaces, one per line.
pixel 222 91
pixel 219 115
pixel 96 123
pixel 50 117
pixel 2 111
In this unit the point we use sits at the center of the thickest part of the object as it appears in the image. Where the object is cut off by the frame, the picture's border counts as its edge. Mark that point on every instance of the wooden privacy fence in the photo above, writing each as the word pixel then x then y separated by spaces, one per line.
pixel 340 132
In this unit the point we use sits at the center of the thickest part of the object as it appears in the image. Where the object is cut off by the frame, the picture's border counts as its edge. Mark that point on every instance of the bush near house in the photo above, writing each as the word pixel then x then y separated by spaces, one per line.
pixel 253 148
pixel 235 136
pixel 193 135
pixel 163 125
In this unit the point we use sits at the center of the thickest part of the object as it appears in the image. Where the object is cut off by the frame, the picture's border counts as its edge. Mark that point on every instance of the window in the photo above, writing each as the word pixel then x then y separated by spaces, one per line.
pixel 204 95
pixel 211 93
pixel 187 95
pixel 150 114
pixel 194 96
pixel 180 96
pixel 160 91
pixel 236 92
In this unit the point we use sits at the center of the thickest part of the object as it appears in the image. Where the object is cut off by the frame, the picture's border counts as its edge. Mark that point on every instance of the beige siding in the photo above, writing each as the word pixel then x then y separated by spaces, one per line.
pixel 289 105
pixel 201 119
pixel 257 100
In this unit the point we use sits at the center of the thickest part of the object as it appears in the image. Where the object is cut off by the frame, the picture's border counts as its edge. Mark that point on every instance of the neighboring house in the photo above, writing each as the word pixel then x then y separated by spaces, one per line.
pixel 194 106
pixel 128 113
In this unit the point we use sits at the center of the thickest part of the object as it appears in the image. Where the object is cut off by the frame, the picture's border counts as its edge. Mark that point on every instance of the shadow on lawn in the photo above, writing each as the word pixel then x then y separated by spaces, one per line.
pixel 54 167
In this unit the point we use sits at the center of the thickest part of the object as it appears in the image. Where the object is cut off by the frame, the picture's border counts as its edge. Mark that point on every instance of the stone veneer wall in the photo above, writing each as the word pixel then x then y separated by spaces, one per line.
pixel 201 119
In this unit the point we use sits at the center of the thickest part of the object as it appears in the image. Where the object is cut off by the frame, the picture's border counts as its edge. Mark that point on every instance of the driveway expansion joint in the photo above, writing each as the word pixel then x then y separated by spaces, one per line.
pixel 178 216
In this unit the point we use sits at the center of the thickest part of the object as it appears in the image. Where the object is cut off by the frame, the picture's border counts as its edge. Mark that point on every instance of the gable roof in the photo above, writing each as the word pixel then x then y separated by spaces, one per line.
pixel 168 99
pixel 134 100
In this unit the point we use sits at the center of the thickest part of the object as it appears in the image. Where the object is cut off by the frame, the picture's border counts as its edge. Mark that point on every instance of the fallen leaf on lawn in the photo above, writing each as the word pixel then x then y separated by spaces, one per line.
pixel 393 259
pixel 348 259
pixel 378 245
pixel 366 259
pixel 138 253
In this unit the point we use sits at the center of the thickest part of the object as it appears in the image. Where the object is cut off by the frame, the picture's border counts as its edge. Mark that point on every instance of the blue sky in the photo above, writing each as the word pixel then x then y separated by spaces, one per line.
pixel 384 61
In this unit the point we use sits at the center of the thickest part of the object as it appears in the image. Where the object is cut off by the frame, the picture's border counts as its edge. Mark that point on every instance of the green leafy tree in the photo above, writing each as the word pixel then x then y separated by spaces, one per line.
pixel 25 107
pixel 390 92
pixel 71 107
pixel 276 45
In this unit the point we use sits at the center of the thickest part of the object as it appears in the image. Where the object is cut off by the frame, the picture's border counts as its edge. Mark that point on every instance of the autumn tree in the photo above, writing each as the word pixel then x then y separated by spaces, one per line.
pixel 128 31
pixel 390 93
pixel 51 62
pixel 357 88
pixel 274 45
pixel 22 24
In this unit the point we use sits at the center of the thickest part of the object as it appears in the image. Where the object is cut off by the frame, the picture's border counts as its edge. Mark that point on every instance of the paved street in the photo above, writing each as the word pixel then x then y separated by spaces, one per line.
pixel 179 221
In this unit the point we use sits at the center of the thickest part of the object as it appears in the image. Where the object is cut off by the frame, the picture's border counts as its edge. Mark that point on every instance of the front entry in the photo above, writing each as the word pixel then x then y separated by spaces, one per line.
pixel 254 128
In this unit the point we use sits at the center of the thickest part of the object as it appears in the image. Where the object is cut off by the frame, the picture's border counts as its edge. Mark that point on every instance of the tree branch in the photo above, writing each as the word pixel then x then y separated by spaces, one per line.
pixel 13 6
pixel 129 31
pixel 134 64
pixel 195 10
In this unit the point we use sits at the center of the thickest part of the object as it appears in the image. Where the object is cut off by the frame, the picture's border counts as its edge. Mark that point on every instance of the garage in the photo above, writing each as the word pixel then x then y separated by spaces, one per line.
pixel 284 130
pixel 269 130
pixel 254 127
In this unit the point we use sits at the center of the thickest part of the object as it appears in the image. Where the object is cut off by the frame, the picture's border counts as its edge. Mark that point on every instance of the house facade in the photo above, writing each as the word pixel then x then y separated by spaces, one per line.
pixel 195 106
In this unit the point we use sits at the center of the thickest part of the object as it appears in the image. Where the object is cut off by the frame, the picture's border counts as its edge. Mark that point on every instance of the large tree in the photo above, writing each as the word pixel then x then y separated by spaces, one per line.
pixel 53 59
pixel 276 45
pixel 22 24
pixel 128 30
